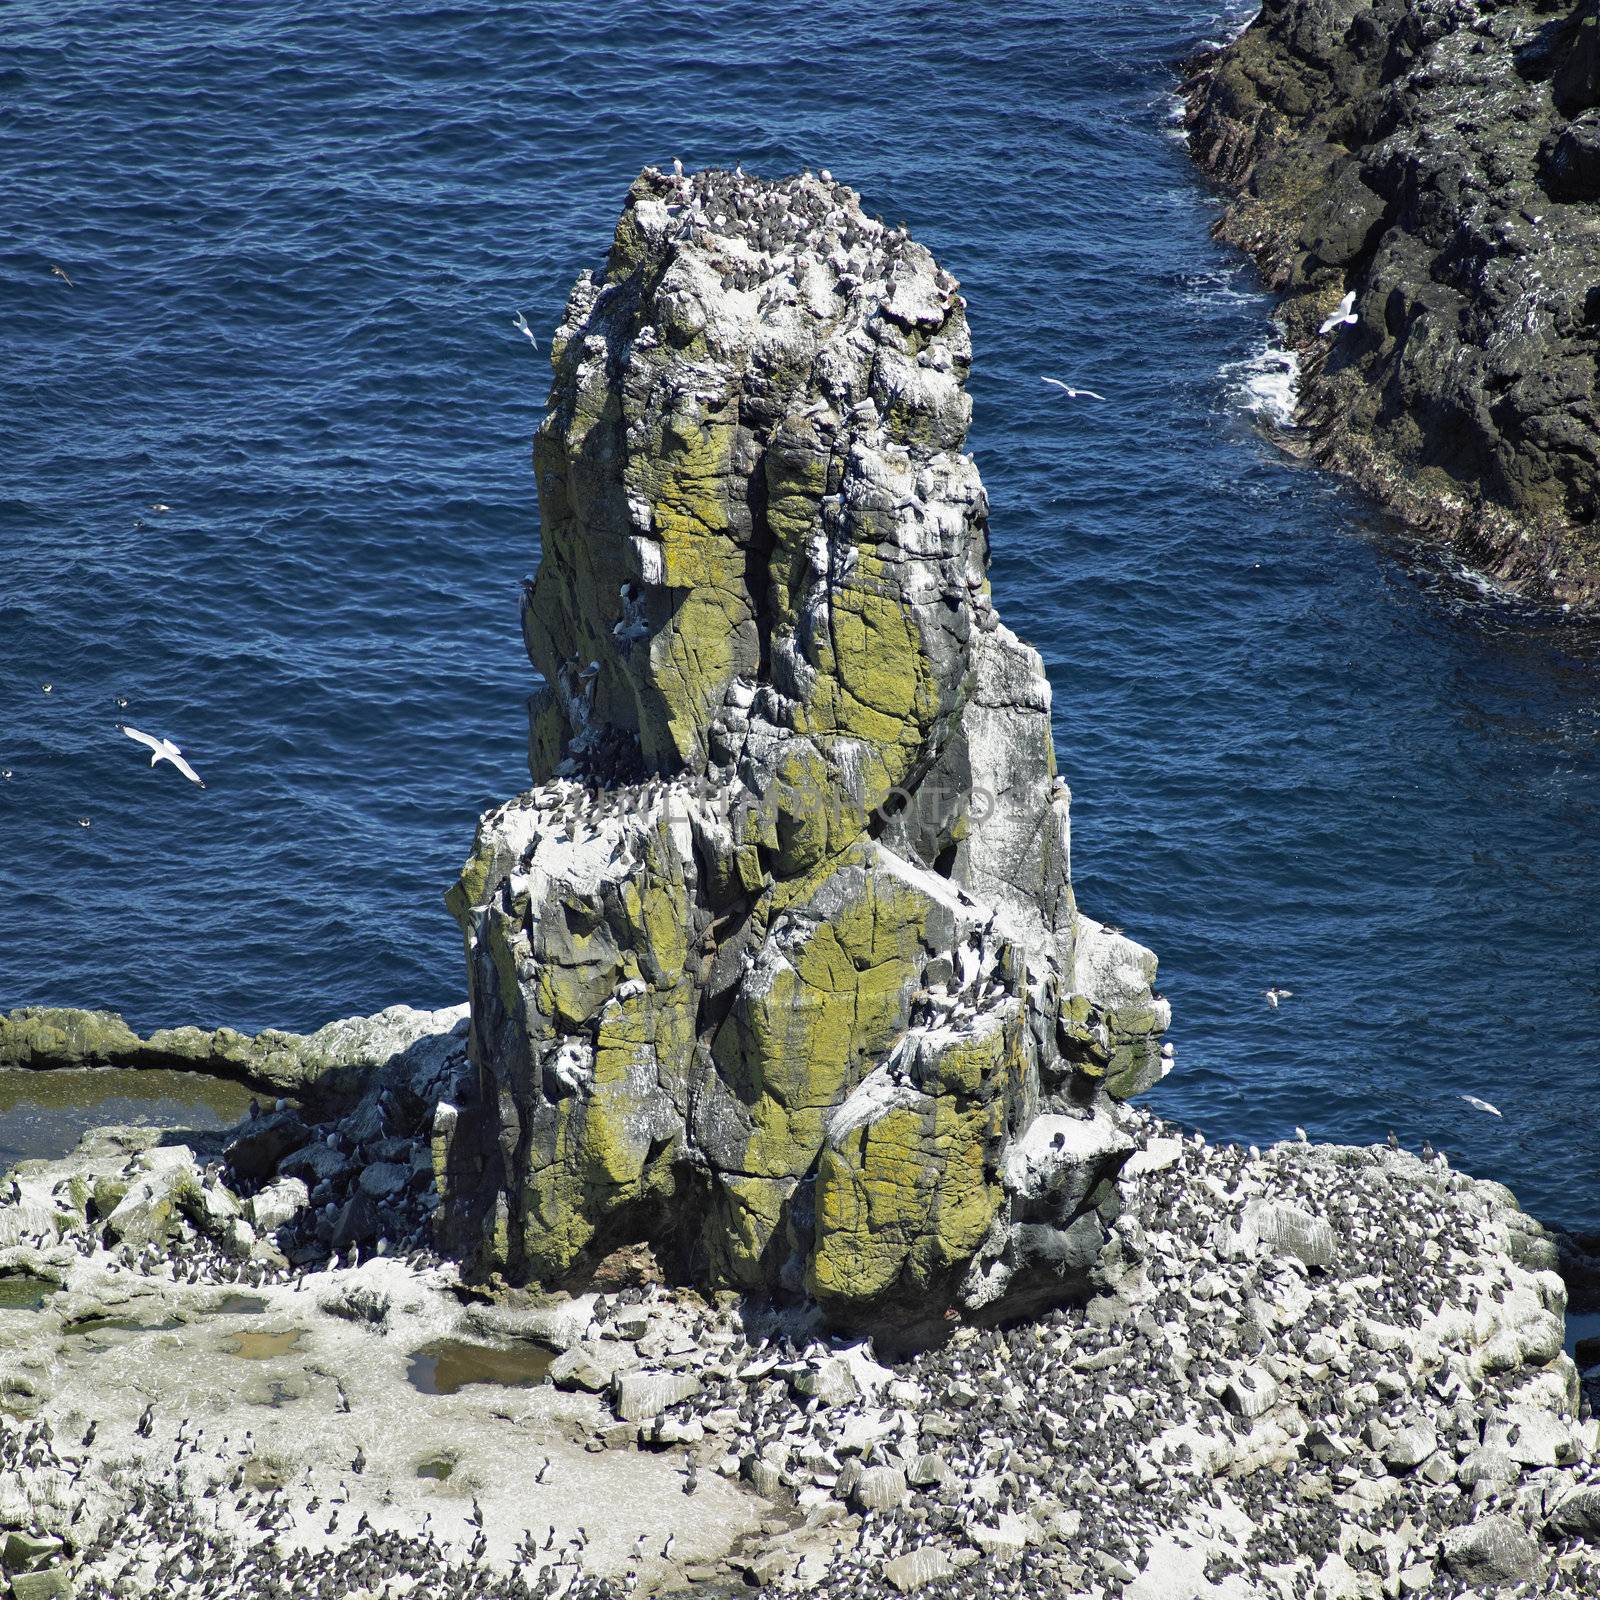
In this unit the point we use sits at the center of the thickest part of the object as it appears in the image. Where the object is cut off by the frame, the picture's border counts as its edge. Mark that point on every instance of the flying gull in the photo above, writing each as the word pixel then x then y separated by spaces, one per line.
pixel 61 273
pixel 1275 994
pixel 521 322
pixel 1075 393
pixel 162 750
pixel 1481 1105
pixel 1345 313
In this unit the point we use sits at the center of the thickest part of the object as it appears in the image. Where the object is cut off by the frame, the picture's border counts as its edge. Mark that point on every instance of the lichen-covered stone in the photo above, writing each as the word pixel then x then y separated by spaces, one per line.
pixel 779 955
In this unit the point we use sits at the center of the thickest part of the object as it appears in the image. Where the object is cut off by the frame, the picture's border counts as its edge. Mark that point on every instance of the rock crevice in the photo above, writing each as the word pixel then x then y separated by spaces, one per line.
pixel 779 956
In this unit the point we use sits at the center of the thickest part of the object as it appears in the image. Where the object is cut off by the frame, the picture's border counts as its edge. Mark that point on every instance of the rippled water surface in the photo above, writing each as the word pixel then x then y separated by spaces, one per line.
pixel 297 234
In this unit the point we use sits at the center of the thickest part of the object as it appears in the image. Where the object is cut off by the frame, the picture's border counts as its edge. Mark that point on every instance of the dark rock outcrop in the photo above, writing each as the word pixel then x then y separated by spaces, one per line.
pixel 778 967
pixel 1438 162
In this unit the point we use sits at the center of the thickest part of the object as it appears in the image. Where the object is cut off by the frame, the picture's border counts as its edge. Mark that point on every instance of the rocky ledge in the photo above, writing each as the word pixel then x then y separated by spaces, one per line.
pixel 334 1062
pixel 1310 1372
pixel 1436 162
pixel 777 967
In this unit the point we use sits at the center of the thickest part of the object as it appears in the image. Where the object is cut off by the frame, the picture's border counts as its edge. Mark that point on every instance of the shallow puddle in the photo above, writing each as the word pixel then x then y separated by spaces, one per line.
pixel 437 1467
pixel 447 1365
pixel 123 1324
pixel 263 1346
pixel 25 1293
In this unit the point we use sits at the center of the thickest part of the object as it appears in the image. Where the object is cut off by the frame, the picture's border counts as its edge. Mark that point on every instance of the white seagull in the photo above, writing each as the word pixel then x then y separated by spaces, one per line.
pixel 1075 393
pixel 1481 1105
pixel 162 750
pixel 1345 313
pixel 1275 994
pixel 521 322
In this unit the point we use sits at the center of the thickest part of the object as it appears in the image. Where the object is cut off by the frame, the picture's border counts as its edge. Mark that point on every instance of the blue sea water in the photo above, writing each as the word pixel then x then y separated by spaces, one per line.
pixel 1303 752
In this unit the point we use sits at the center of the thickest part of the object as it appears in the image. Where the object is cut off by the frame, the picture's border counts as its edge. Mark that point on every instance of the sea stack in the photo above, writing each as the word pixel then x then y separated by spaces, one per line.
pixel 777 968
pixel 1440 163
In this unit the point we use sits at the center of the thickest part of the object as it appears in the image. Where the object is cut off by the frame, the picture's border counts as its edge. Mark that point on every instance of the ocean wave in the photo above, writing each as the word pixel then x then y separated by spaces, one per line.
pixel 1267 384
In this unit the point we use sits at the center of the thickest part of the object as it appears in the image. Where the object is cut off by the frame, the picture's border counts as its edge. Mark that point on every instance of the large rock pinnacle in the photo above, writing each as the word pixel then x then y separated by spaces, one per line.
pixel 777 966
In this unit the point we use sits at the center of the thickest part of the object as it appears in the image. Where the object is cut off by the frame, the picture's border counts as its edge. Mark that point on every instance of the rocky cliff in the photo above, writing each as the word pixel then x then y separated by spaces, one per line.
pixel 1439 162
pixel 777 965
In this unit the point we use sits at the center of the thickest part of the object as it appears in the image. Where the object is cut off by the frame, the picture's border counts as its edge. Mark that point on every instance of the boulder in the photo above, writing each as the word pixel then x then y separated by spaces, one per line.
pixel 21 1551
pixel 1487 1464
pixel 1497 1550
pixel 1569 161
pixel 777 966
pixel 873 1488
pixel 1273 1227
pixel 592 1365
pixel 914 1569
pixel 830 1383
pixel 637 1396
pixel 356 1222
pixel 262 1143
pixel 277 1203
pixel 384 1180
pixel 153 1205
pixel 1577 1516
pixel 1250 1392
pixel 1408 1446
pixel 359 1302
pixel 51 1584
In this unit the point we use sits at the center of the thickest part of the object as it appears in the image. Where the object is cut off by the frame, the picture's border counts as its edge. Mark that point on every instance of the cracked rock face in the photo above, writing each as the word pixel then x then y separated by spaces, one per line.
pixel 777 965
pixel 1438 161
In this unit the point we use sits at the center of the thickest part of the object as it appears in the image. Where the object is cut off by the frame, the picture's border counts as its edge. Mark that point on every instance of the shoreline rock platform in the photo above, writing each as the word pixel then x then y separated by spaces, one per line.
pixel 1438 163
pixel 1308 1371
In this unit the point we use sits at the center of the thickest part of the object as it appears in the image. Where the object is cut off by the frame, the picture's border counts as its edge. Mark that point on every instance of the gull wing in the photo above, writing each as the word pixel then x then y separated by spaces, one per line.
pixel 143 738
pixel 176 758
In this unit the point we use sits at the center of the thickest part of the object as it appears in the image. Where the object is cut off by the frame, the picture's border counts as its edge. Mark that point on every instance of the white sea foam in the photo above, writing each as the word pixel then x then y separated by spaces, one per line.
pixel 1489 588
pixel 1173 126
pixel 1230 22
pixel 1267 384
